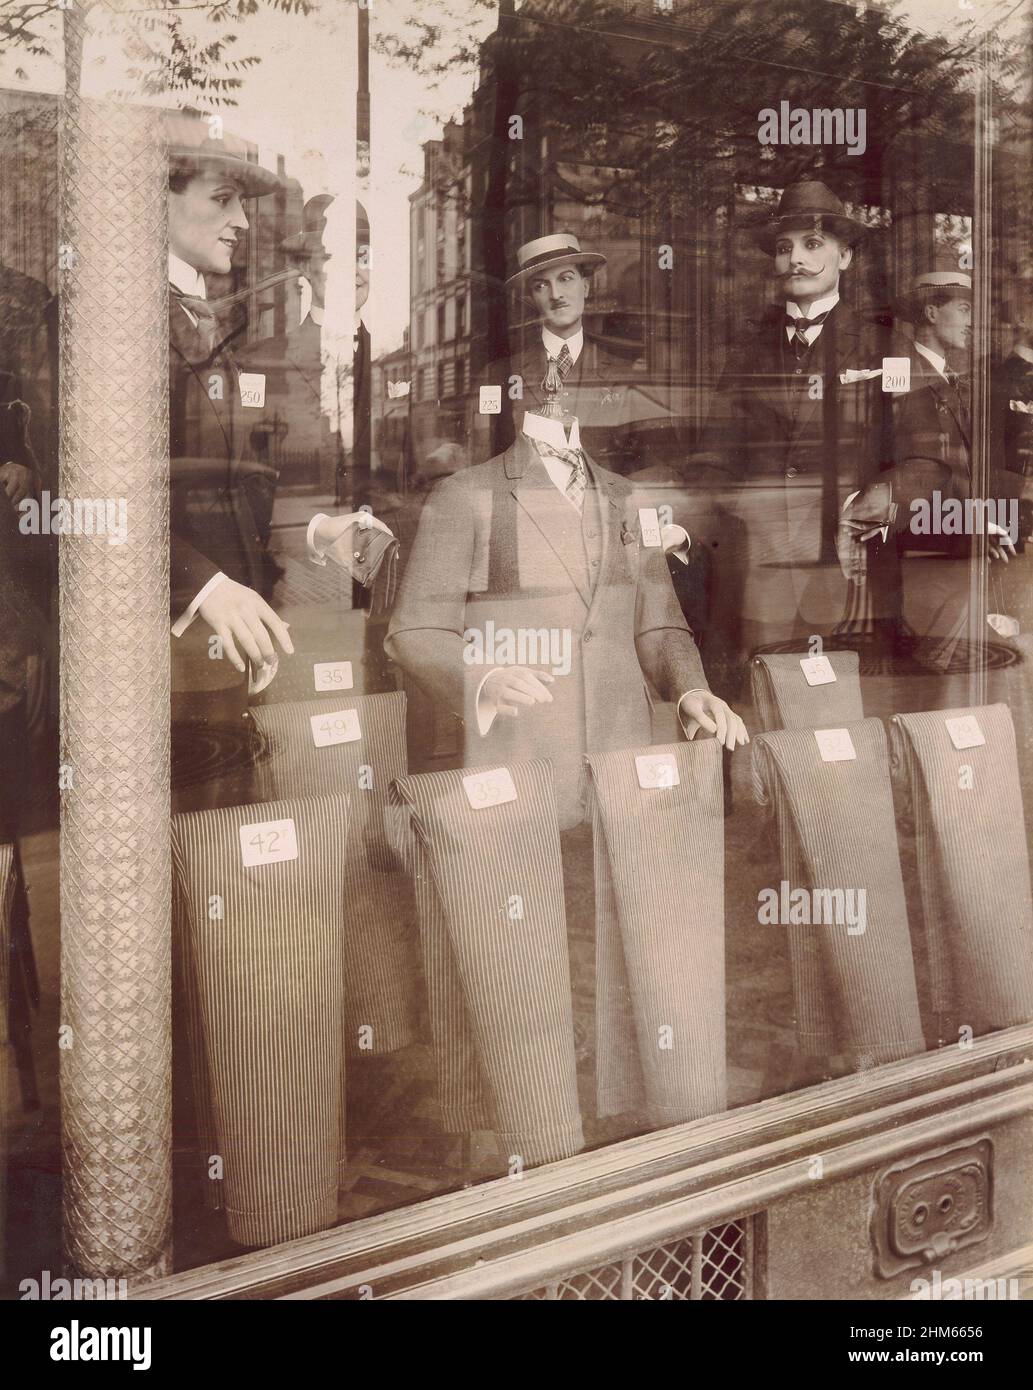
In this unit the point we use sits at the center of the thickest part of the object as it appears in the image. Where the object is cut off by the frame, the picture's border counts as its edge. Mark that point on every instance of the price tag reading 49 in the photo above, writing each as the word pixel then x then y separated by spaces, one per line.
pixel 268 842
pixel 493 788
pixel 340 726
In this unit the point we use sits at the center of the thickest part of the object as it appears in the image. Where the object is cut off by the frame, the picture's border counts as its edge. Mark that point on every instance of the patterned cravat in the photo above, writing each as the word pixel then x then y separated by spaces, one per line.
pixel 577 483
pixel 207 321
pixel 800 326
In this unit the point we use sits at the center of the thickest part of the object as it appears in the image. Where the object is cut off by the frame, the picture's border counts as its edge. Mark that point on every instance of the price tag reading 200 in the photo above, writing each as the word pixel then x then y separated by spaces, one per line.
pixel 268 842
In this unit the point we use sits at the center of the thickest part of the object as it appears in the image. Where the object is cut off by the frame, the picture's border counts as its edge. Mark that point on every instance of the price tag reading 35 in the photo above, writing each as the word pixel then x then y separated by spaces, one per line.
pixel 268 842
pixel 333 675
pixel 340 726
pixel 492 788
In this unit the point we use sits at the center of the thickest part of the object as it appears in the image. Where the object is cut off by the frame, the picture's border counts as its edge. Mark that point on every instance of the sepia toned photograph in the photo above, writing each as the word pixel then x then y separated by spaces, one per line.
pixel 516 661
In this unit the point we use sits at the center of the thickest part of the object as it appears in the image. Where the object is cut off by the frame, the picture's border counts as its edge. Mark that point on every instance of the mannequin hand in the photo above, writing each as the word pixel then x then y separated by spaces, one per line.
pixel 243 619
pixel 513 687
pixel 714 716
pixel 999 544
pixel 17 481
pixel 332 528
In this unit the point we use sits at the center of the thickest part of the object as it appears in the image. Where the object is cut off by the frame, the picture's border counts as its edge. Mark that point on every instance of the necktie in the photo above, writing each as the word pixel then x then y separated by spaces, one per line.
pixel 207 321
pixel 577 483
pixel 800 326
pixel 960 390
pixel 564 362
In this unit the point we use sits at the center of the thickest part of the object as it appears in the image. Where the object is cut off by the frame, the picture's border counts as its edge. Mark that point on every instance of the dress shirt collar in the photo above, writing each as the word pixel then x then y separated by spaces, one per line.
pixel 552 431
pixel 820 306
pixel 185 278
pixel 1024 352
pixel 553 344
pixel 940 363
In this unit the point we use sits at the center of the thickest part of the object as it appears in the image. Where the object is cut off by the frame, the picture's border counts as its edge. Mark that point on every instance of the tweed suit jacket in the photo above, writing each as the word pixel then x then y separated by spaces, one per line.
pixel 495 545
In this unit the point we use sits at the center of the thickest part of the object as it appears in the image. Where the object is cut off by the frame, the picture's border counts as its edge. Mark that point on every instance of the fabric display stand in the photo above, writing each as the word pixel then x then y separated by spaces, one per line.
pixel 383 984
pixel 784 699
pixel 489 889
pixel 836 831
pixel 973 865
pixel 7 881
pixel 659 883
pixel 261 950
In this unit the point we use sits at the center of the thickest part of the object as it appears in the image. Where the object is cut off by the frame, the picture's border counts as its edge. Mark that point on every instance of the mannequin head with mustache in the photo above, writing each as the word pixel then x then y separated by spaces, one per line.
pixel 808 264
pixel 559 294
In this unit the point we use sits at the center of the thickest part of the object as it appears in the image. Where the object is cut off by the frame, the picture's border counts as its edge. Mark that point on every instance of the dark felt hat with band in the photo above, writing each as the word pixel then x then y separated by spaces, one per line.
pixel 931 286
pixel 545 252
pixel 199 142
pixel 805 206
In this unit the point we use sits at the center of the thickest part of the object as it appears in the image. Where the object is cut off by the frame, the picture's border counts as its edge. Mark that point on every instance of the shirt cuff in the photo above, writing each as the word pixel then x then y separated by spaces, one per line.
pixel 486 708
pixel 690 727
pixel 676 541
pixel 317 556
pixel 189 614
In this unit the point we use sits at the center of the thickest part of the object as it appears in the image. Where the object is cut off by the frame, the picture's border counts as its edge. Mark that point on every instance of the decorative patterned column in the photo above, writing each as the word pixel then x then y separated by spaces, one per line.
pixel 115 872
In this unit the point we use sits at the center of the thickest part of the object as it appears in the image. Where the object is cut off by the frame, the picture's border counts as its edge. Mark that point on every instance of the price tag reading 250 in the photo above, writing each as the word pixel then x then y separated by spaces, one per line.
pixel 268 842
pixel 492 788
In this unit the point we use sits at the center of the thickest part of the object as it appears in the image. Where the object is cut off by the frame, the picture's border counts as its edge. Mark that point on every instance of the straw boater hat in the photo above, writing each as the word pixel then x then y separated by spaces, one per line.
pixel 929 286
pixel 197 142
pixel 808 205
pixel 546 251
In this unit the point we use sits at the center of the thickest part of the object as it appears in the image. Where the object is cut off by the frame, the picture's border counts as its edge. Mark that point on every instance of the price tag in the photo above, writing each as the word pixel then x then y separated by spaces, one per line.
pixel 493 788
pixel 252 389
pixel 817 670
pixel 649 525
pixel 657 770
pixel 491 400
pixel 835 745
pixel 896 374
pixel 268 842
pixel 333 675
pixel 340 726
pixel 965 732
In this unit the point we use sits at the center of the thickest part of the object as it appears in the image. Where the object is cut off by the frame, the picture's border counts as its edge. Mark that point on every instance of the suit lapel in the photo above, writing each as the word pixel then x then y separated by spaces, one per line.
pixel 611 514
pixel 835 349
pixel 943 393
pixel 186 343
pixel 537 495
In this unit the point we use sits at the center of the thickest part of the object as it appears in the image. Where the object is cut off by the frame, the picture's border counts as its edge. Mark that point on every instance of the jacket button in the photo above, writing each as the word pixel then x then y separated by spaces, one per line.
pixel 587 635
pixel 793 472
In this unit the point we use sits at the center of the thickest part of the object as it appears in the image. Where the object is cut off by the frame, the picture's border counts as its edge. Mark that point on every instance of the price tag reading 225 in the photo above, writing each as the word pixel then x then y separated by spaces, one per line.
pixel 268 842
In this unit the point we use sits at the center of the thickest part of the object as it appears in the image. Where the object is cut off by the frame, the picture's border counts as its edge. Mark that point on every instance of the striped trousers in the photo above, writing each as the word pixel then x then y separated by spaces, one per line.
pixel 383 984
pixel 660 947
pixel 784 700
pixel 489 888
pixel 261 951
pixel 836 829
pixel 973 868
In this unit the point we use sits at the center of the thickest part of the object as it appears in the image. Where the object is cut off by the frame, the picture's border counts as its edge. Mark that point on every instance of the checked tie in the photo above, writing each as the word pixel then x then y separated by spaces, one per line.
pixel 800 326
pixel 557 370
pixel 577 483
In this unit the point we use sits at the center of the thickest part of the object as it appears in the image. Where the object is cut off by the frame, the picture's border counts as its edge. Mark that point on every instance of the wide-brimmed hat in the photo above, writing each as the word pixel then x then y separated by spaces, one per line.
pixel 201 142
pixel 929 285
pixel 558 249
pixel 808 205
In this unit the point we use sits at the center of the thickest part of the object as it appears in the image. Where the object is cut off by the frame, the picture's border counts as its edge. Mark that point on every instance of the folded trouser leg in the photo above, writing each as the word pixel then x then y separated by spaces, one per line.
pixel 264 946
pixel 973 866
pixel 840 817
pixel 660 922
pixel 490 893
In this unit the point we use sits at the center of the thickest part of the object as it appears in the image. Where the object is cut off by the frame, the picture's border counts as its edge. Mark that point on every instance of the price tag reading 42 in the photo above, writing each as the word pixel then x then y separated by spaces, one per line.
pixel 268 842
pixel 340 726
pixel 492 788
pixel 333 675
